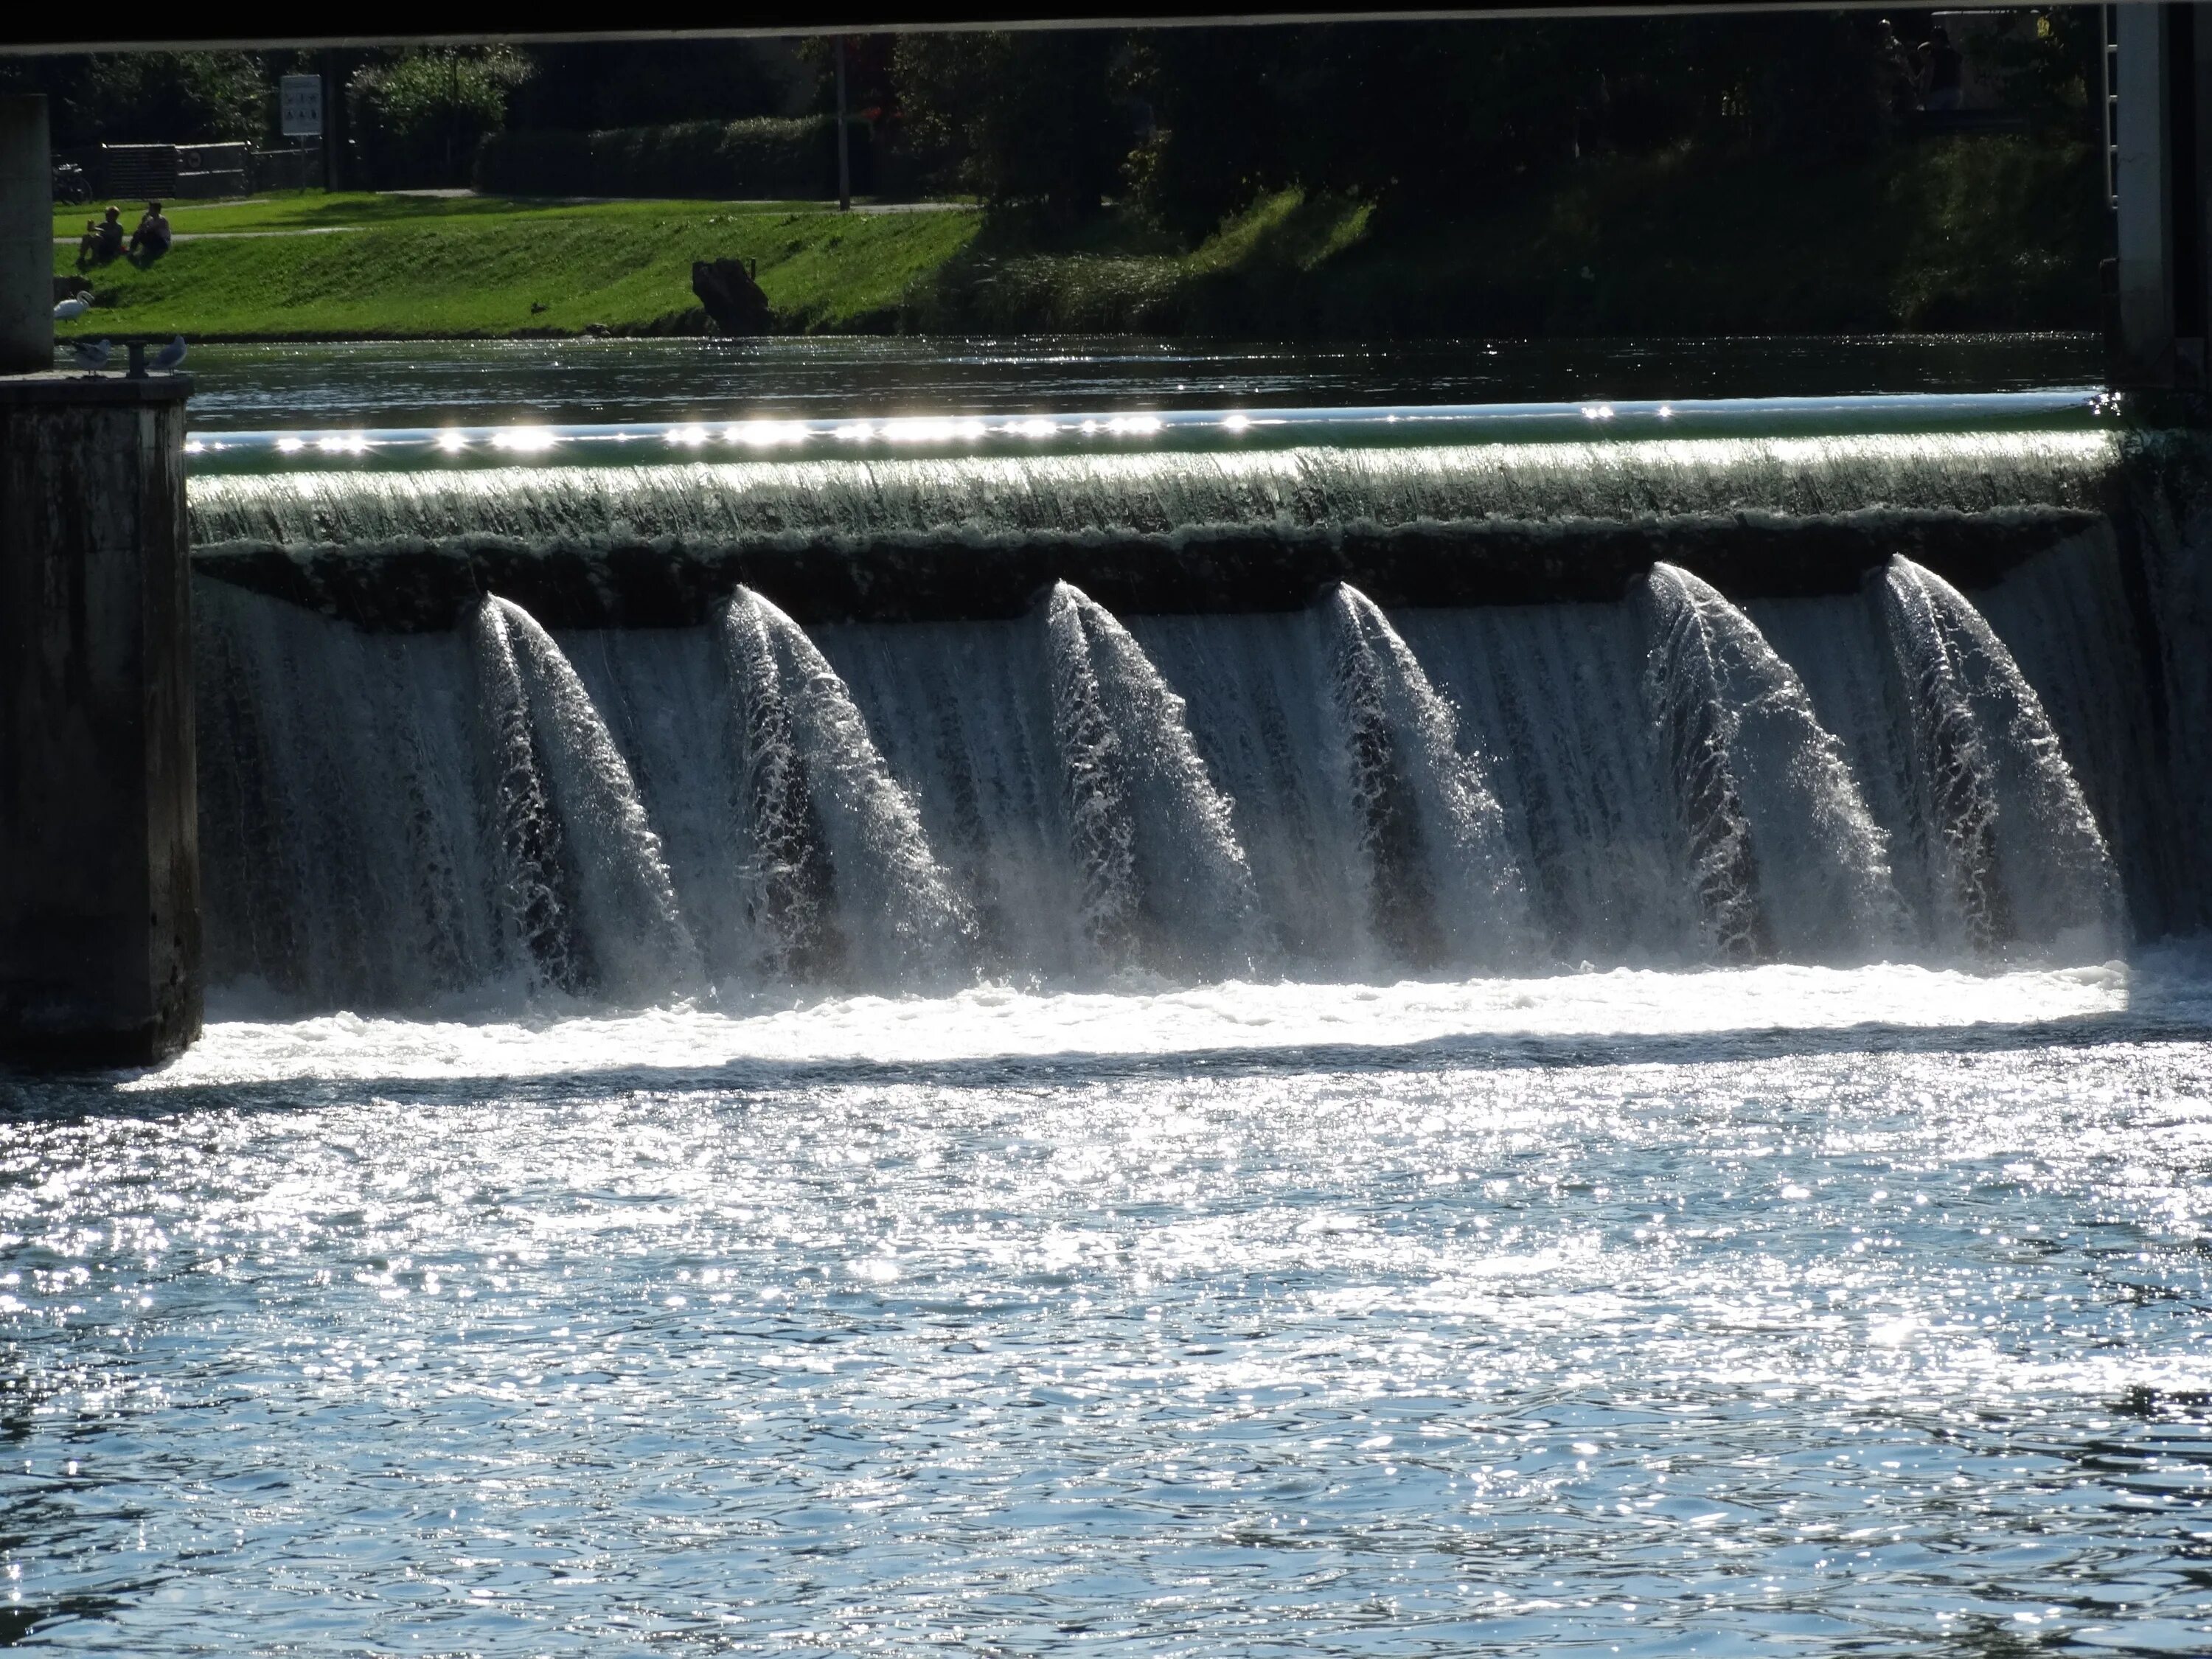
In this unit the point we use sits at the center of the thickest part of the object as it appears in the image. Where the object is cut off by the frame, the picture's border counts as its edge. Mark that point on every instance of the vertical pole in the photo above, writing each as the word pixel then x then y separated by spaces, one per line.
pixel 2184 208
pixel 330 120
pixel 334 122
pixel 844 138
pixel 2190 137
pixel 26 238
pixel 2108 101
pixel 2143 191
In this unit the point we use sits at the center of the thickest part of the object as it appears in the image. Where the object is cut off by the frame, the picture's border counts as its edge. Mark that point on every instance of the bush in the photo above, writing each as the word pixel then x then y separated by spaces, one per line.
pixel 764 158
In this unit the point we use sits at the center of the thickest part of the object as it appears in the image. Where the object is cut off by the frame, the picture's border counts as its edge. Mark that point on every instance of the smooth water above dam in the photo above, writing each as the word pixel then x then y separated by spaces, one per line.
pixel 1278 1045
pixel 352 385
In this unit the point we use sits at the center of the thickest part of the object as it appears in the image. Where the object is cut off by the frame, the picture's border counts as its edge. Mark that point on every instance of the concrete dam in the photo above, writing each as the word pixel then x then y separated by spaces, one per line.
pixel 493 728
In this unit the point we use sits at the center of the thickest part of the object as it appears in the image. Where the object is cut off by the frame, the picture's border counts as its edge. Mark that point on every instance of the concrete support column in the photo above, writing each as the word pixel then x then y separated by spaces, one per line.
pixel 2143 182
pixel 26 238
pixel 2163 165
pixel 99 914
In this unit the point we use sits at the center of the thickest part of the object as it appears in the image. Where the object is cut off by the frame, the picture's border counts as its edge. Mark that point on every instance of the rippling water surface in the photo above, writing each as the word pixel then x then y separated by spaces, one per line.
pixel 1775 1310
pixel 438 382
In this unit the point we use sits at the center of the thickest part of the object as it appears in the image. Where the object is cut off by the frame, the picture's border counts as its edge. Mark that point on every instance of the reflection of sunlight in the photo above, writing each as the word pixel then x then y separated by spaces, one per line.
pixel 687 437
pixel 1133 426
pixel 1236 422
pixel 930 430
pixel 854 432
pixel 290 445
pixel 524 440
pixel 766 435
pixel 342 443
pixel 451 442
pixel 1035 427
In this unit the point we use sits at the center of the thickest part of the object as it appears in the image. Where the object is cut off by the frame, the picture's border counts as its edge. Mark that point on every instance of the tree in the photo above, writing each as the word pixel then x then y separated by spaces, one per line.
pixel 1024 120
pixel 150 98
pixel 417 116
pixel 583 87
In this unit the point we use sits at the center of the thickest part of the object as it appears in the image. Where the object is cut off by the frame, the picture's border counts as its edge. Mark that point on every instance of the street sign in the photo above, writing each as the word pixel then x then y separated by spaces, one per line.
pixel 301 97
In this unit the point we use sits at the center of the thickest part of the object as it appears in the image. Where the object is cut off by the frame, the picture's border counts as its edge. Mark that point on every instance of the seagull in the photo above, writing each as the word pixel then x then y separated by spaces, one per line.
pixel 170 357
pixel 68 310
pixel 92 356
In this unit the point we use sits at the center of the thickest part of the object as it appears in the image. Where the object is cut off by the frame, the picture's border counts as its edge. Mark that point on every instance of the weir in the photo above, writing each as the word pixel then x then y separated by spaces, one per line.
pixel 794 761
pixel 1168 530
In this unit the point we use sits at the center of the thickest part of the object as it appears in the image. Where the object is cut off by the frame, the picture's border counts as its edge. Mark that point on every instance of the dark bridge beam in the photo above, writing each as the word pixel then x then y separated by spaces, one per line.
pixel 61 28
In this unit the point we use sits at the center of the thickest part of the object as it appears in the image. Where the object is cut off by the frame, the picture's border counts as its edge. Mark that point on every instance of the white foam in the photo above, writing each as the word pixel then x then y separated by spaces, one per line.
pixel 995 1021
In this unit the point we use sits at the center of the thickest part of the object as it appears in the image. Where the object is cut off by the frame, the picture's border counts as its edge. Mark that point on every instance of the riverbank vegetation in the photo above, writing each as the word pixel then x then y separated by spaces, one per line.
pixel 311 267
pixel 1706 175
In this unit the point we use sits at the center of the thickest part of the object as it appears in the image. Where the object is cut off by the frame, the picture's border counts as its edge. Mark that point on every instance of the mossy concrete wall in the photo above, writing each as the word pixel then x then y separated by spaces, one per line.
pixel 99 914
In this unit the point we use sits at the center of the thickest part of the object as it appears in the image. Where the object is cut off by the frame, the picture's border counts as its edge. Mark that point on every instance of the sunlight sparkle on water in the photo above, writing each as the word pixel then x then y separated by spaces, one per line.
pixel 1519 1344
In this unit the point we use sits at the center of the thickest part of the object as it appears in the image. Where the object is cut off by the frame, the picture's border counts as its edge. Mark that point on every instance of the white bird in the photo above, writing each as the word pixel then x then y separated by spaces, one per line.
pixel 170 357
pixel 68 310
pixel 92 356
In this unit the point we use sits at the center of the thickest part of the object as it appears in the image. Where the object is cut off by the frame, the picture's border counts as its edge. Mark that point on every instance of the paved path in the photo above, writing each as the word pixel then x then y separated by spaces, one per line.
pixel 237 235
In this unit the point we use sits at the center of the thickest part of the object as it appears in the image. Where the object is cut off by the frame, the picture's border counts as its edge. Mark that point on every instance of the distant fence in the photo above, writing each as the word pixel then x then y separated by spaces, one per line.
pixel 712 160
pixel 183 172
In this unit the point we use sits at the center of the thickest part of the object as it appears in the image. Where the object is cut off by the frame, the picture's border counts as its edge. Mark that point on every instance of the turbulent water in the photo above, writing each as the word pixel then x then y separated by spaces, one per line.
pixel 1648 1313
pixel 1652 1124
pixel 1071 797
pixel 1162 492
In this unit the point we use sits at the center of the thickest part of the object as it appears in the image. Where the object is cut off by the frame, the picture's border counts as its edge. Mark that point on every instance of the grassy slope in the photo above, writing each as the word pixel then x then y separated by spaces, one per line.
pixel 1985 232
pixel 434 267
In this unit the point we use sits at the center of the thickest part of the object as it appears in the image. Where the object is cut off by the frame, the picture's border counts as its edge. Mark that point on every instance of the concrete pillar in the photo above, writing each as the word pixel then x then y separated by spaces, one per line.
pixel 2144 192
pixel 100 915
pixel 26 238
pixel 2163 167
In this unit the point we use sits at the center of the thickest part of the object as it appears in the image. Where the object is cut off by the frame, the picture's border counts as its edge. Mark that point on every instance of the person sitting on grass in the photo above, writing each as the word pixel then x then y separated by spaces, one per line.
pixel 151 239
pixel 102 240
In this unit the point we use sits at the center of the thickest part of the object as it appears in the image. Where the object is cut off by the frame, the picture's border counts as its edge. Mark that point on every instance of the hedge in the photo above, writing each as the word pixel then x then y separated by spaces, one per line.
pixel 766 158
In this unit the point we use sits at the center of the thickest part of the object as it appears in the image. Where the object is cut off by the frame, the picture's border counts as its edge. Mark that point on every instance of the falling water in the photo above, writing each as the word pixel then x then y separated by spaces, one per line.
pixel 1784 855
pixel 1164 881
pixel 1326 788
pixel 840 867
pixel 2017 856
pixel 992 498
pixel 584 890
pixel 1443 886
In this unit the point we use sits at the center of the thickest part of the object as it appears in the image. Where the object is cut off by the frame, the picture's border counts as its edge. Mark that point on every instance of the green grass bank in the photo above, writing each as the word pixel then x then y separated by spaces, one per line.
pixel 341 267
pixel 1964 233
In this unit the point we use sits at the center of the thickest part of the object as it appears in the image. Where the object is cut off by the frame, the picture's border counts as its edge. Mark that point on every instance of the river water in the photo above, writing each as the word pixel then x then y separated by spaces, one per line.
pixel 252 387
pixel 1088 1297
pixel 1521 1318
